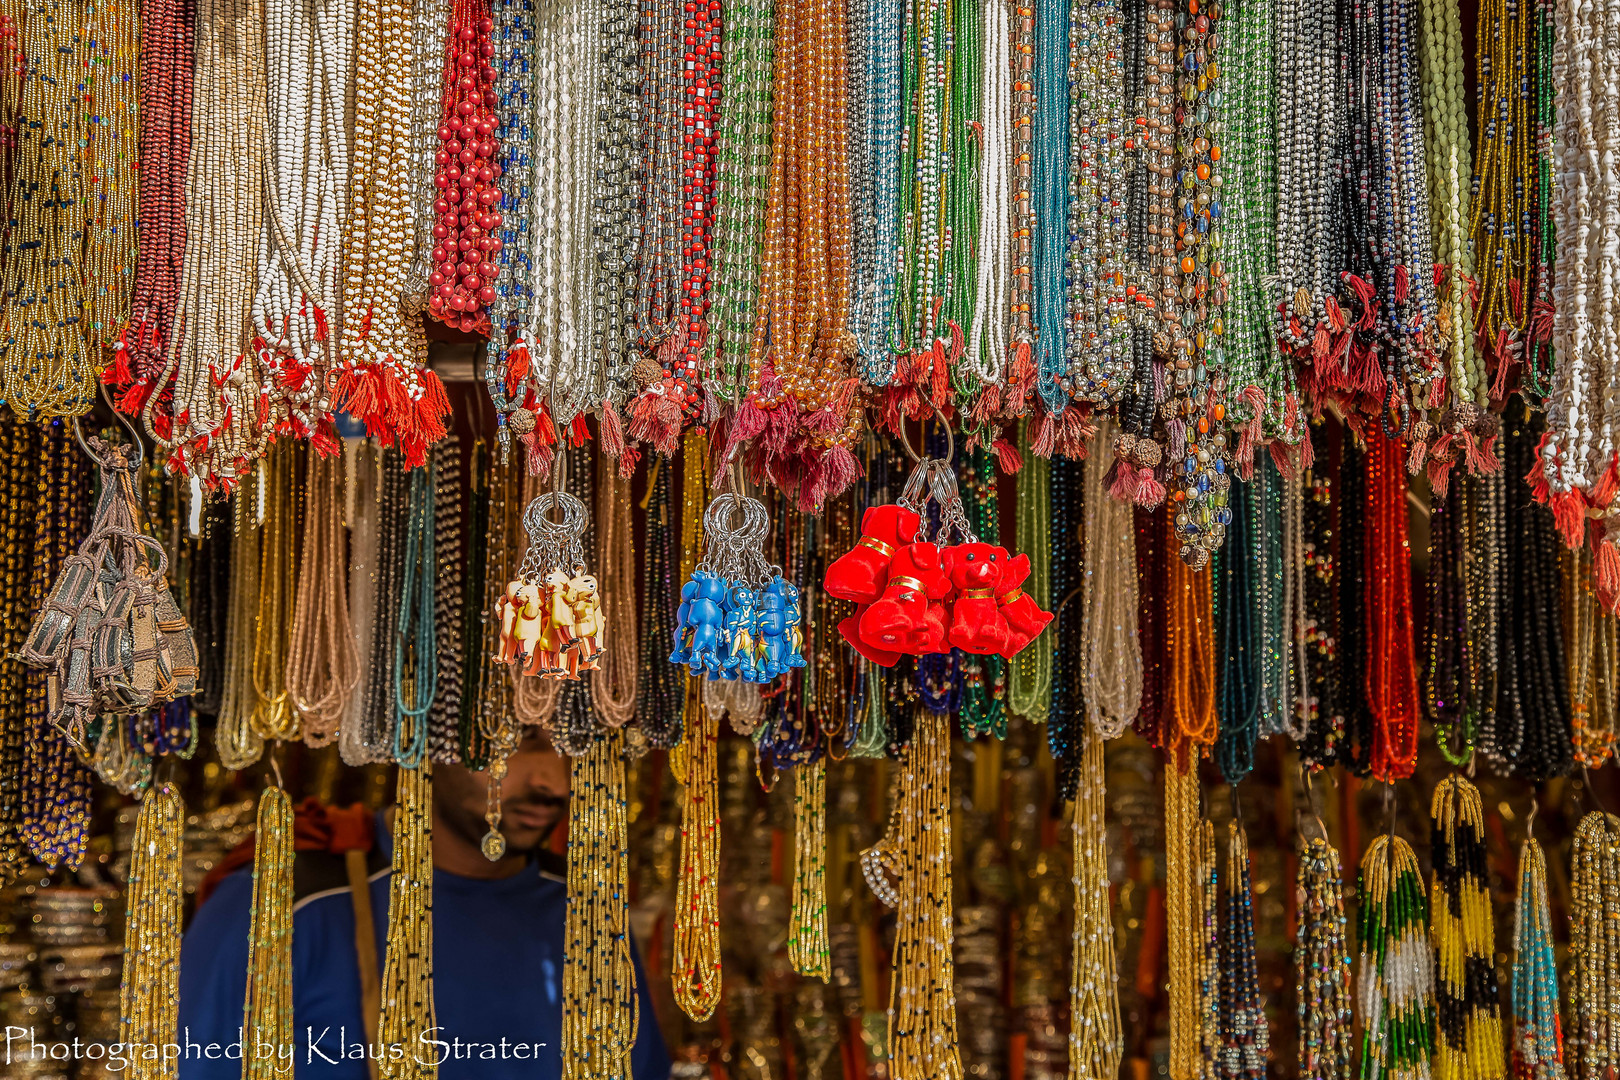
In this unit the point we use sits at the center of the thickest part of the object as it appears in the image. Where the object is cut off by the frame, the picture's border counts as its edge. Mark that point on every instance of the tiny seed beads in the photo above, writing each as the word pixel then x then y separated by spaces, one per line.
pixel 1395 980
pixel 1538 1036
pixel 47 363
pixel 601 1010
pixel 1468 1011
pixel 1322 965
pixel 149 995
pixel 1096 1040
pixel 1244 1040
pixel 1594 908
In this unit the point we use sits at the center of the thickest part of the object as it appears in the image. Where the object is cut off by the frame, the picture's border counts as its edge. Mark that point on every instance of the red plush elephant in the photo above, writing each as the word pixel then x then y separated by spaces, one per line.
pixel 976 571
pixel 861 574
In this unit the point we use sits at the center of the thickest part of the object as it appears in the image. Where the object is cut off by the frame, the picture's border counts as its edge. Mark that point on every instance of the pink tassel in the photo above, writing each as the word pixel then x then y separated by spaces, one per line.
pixel 1149 492
pixel 610 430
pixel 1045 436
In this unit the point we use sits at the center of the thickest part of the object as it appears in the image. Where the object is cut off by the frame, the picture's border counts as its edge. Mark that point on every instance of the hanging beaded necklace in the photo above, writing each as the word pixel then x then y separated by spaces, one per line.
pixel 47 367
pixel 1096 1042
pixel 1322 965
pixel 1538 1036
pixel 309 49
pixel 877 202
pixel 1395 981
pixel 742 169
pixel 599 980
pixel 461 283
pixel 675 285
pixel 800 385
pixel 515 89
pixel 990 266
pixel 1594 907
pixel 109 77
pixel 1111 664
pixel 164 138
pixel 385 380
pixel 1579 453
pixel 1532 722
pixel 1099 360
pixel 1462 926
pixel 1262 398
pixel 1391 675
pixel 1245 1042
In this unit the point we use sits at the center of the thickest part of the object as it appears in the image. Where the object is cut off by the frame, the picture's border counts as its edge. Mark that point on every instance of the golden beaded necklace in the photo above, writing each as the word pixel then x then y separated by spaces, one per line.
pixel 149 996
pixel 696 973
pixel 1095 1035
pixel 922 998
pixel 600 1007
pixel 808 947
pixel 407 983
pixel 268 1012
pixel 48 368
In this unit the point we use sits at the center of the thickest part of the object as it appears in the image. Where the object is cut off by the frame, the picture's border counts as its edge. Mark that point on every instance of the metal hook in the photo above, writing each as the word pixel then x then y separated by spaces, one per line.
pixel 1591 792
pixel 275 764
pixel 1530 818
pixel 1306 777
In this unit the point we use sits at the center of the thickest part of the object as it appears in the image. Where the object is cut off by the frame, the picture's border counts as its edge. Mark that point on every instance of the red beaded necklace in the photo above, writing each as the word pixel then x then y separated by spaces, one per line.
pixel 1391 676
pixel 167 43
pixel 464 267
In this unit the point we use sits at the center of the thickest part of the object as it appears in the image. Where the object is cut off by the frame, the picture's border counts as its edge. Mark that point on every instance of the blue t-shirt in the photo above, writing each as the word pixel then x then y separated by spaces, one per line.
pixel 497 982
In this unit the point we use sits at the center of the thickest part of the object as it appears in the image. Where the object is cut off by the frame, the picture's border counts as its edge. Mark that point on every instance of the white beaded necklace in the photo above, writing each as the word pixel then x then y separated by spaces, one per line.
pixel 309 49
pixel 986 357
pixel 1582 409
pixel 559 329
pixel 220 385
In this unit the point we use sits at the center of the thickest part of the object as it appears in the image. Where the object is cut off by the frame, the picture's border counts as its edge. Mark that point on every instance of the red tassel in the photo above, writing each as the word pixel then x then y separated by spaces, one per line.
pixel 1603 491
pixel 579 432
pixel 325 438
pixel 1403 283
pixel 1439 477
pixel 1007 456
pixel 117 373
pixel 1481 460
pixel 656 419
pixel 1149 492
pixel 1121 480
pixel 1282 456
pixel 840 469
pixel 322 329
pixel 628 461
pixel 1606 568
pixel 1569 515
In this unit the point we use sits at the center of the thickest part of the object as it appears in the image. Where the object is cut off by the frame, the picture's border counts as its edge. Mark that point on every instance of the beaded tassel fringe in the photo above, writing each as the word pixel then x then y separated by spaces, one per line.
pixel 149 997
pixel 268 1018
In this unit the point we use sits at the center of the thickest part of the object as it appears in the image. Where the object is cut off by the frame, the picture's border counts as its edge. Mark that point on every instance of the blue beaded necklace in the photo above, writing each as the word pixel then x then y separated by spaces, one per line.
pixel 1051 196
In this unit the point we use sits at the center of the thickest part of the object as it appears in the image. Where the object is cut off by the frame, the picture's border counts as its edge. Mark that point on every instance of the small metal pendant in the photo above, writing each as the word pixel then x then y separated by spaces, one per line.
pixel 494 846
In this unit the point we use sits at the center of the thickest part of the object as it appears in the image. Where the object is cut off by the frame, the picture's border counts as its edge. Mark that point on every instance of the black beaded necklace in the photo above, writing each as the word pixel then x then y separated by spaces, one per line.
pixel 661 688
pixel 1324 726
pixel 1532 711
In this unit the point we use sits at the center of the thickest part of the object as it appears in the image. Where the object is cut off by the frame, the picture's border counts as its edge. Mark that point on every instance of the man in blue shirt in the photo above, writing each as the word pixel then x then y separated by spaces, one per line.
pixel 497 937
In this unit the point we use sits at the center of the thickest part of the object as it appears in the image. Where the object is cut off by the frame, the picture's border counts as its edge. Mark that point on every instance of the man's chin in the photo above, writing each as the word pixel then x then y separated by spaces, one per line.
pixel 523 840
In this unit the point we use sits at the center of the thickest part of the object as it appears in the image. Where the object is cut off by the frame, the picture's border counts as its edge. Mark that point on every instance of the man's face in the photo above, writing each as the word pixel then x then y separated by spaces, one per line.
pixel 534 797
